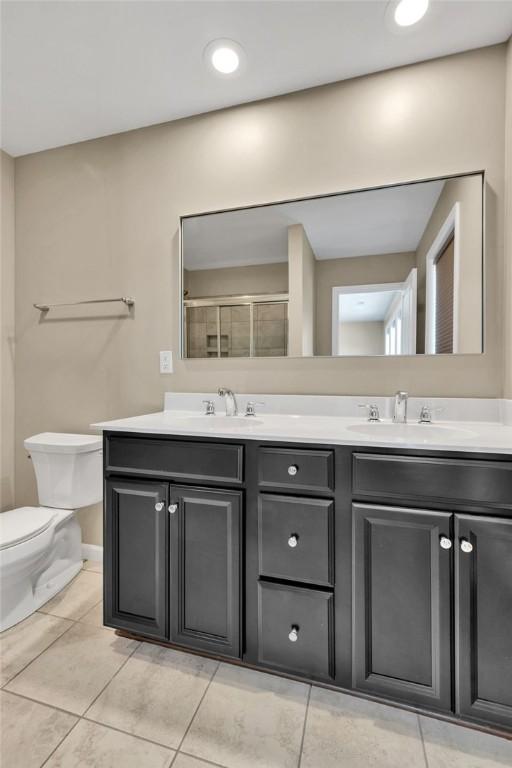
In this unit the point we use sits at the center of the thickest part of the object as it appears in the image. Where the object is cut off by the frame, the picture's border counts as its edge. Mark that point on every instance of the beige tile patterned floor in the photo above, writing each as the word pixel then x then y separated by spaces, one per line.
pixel 75 695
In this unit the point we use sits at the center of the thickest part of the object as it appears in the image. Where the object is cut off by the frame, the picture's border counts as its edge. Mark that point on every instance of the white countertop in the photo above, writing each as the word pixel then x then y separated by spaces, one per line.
pixel 471 436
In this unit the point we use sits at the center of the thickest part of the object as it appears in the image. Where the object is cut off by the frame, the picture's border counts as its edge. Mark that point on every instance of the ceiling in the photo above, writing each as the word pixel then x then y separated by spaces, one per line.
pixel 369 307
pixel 75 70
pixel 379 221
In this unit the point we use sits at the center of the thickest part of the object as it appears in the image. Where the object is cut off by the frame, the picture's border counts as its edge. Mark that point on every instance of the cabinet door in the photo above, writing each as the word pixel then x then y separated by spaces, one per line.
pixel 205 569
pixel 483 618
pixel 402 604
pixel 136 559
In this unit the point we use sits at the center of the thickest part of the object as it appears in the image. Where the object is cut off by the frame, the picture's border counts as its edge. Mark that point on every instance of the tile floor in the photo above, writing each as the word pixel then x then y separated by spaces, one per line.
pixel 74 695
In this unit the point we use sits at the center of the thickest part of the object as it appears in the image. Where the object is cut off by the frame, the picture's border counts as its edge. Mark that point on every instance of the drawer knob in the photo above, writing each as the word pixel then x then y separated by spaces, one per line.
pixel 159 506
pixel 466 546
pixel 294 634
pixel 293 469
pixel 293 540
pixel 445 542
pixel 173 508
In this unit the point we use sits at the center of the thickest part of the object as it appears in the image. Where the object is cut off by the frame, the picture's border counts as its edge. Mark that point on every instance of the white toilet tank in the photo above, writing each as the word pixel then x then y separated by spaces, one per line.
pixel 68 469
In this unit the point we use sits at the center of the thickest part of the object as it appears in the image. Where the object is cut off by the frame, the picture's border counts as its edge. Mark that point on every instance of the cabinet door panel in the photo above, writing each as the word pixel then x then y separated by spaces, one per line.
pixel 136 557
pixel 401 596
pixel 205 569
pixel 484 618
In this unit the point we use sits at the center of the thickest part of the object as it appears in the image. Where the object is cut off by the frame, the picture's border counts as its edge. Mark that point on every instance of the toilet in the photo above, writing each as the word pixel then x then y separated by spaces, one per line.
pixel 41 547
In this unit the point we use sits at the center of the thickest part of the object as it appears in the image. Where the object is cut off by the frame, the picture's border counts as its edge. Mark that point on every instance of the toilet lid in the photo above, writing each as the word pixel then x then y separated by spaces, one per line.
pixel 17 525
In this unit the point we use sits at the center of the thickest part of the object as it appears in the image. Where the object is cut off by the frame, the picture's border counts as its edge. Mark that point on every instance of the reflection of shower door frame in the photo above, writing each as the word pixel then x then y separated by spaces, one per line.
pixel 231 301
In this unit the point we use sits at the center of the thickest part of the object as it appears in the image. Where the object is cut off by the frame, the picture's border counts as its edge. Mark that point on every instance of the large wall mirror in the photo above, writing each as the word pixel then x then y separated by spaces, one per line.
pixel 395 270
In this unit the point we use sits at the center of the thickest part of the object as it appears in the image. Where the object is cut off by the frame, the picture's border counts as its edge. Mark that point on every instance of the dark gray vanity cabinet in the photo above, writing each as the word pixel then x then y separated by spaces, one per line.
pixel 136 563
pixel 384 572
pixel 402 604
pixel 172 564
pixel 205 549
pixel 483 618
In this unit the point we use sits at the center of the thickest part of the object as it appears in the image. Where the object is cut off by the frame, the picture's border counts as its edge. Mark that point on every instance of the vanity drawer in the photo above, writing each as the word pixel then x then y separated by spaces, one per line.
pixel 296 468
pixel 295 538
pixel 177 459
pixel 459 481
pixel 295 629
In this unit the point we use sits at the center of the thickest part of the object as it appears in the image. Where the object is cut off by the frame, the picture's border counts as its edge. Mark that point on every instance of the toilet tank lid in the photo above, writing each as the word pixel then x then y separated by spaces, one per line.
pixel 63 442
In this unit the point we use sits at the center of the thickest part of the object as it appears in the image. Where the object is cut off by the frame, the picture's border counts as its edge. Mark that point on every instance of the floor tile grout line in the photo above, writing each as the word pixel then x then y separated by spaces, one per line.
pixel 125 662
pixel 60 742
pixel 304 726
pixel 126 733
pixel 195 713
pixel 201 759
pixel 73 622
pixel 56 616
pixel 42 703
pixel 423 742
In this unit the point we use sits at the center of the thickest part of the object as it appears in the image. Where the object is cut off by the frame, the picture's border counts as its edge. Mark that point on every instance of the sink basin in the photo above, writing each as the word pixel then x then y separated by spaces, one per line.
pixel 418 433
pixel 218 422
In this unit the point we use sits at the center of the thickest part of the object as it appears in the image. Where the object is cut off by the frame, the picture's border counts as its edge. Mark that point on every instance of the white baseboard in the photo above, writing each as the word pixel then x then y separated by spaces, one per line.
pixel 92 552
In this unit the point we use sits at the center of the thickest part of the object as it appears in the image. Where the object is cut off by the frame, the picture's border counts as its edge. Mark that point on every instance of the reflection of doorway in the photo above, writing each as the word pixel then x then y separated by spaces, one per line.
pixel 442 299
pixel 377 319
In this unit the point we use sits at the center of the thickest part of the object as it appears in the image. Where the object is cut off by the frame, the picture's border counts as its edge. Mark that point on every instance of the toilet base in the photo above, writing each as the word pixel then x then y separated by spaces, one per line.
pixel 32 576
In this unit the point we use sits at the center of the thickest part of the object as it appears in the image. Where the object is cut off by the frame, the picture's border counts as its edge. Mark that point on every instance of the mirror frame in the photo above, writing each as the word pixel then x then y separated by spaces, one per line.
pixel 462 174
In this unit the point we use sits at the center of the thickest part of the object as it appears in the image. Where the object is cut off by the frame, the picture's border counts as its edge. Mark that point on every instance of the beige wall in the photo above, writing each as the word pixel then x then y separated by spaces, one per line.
pixel 508 229
pixel 102 218
pixel 468 193
pixel 362 338
pixel 7 438
pixel 361 270
pixel 232 281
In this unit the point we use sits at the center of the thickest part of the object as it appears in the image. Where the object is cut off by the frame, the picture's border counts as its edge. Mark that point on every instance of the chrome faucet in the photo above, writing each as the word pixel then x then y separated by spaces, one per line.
pixel 230 401
pixel 400 408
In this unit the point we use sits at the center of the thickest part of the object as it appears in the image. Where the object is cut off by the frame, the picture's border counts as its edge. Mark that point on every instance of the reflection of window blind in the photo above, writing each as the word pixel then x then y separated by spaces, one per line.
pixel 444 300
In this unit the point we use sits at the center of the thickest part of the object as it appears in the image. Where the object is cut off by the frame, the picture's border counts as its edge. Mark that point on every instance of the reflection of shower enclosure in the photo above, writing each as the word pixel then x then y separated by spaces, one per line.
pixel 236 326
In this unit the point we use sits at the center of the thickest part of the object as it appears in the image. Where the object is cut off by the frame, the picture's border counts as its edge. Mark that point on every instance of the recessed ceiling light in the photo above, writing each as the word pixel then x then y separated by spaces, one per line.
pixel 408 12
pixel 225 57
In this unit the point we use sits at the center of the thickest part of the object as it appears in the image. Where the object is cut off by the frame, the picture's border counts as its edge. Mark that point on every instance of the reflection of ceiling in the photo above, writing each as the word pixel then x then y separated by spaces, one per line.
pixel 365 307
pixel 379 221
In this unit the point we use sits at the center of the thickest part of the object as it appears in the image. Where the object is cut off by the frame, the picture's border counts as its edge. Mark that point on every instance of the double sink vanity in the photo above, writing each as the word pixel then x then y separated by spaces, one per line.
pixel 371 553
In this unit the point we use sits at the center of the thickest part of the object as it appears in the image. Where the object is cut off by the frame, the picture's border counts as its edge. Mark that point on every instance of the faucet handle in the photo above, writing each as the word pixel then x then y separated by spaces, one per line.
pixel 210 408
pixel 426 414
pixel 373 411
pixel 250 408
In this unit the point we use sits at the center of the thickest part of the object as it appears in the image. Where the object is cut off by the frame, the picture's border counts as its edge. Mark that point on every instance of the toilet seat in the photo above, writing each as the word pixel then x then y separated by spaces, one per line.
pixel 21 524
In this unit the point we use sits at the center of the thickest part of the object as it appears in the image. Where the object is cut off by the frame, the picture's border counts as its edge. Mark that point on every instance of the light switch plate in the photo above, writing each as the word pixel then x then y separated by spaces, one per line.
pixel 166 361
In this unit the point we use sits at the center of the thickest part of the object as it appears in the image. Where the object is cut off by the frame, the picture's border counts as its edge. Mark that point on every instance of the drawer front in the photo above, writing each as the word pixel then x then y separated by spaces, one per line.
pixel 177 459
pixel 487 483
pixel 295 629
pixel 296 468
pixel 295 538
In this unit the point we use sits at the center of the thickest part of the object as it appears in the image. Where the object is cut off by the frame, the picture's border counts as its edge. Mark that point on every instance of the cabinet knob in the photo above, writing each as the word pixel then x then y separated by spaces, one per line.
pixel 159 506
pixel 294 634
pixel 293 540
pixel 173 508
pixel 445 542
pixel 293 469
pixel 466 546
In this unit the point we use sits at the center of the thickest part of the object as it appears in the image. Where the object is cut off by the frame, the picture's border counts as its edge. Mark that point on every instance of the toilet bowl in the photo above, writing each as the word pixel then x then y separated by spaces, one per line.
pixel 40 547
